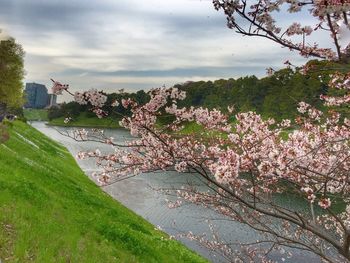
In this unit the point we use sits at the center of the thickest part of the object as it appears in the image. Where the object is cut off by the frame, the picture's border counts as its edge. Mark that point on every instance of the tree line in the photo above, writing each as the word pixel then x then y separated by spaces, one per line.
pixel 73 109
pixel 275 96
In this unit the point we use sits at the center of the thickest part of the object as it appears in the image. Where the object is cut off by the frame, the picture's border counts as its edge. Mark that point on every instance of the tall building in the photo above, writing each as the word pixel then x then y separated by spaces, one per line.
pixel 52 100
pixel 36 95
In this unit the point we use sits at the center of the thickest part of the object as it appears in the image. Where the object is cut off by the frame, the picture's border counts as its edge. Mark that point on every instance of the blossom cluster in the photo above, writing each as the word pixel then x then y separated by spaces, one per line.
pixel 210 119
pixel 58 87
pixel 96 98
pixel 324 7
pixel 260 21
pixel 297 29
pixel 310 156
pixel 341 82
pixel 93 96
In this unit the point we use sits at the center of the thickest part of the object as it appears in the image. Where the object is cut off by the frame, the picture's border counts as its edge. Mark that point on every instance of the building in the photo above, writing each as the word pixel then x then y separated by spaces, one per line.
pixel 36 96
pixel 52 100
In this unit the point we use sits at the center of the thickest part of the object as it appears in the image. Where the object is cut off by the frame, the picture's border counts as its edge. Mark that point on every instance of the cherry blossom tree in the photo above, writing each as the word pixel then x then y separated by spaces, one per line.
pixel 250 166
pixel 257 18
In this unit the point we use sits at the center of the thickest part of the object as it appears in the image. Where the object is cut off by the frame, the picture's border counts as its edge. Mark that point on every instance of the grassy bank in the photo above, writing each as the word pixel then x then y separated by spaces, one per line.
pixel 35 114
pixel 51 212
pixel 84 121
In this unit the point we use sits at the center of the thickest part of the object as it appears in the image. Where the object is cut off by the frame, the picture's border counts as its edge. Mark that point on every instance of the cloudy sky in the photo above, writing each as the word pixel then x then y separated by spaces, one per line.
pixel 132 44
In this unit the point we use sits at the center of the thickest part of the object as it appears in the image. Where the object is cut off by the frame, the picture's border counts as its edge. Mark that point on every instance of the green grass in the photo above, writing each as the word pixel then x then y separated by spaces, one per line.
pixel 35 114
pixel 192 128
pixel 84 121
pixel 51 212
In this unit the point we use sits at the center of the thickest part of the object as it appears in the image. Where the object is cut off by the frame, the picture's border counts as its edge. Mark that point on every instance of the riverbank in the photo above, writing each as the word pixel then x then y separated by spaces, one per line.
pixel 35 114
pixel 83 121
pixel 51 212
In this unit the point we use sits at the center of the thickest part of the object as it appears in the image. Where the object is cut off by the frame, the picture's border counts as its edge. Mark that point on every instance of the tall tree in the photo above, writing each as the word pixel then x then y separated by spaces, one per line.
pixel 11 75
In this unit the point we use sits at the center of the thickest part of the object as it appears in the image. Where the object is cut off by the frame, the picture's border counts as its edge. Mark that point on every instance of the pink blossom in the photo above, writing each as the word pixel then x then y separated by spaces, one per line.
pixel 325 203
pixel 58 87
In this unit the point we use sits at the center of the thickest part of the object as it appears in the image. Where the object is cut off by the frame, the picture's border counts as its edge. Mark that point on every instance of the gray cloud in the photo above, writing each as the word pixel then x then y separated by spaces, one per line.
pixel 132 44
pixel 177 72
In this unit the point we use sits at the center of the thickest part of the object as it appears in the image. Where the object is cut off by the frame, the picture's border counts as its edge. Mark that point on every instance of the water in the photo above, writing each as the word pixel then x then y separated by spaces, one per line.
pixel 140 195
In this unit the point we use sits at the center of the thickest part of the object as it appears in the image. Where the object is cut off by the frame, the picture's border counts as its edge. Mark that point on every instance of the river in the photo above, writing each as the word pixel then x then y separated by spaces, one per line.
pixel 140 195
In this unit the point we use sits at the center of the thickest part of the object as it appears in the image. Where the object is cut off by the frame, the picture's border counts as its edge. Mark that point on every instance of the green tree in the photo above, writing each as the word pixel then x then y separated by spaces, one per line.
pixel 11 75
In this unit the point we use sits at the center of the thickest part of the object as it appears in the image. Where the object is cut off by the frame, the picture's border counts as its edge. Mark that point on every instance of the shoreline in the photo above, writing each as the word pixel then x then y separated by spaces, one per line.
pixel 83 126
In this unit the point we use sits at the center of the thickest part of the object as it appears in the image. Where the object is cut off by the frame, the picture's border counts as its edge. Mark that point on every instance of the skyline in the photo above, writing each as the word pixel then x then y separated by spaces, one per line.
pixel 133 44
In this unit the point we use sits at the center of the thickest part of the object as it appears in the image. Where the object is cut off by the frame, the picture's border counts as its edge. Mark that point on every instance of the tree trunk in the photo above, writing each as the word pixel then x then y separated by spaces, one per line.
pixel 2 111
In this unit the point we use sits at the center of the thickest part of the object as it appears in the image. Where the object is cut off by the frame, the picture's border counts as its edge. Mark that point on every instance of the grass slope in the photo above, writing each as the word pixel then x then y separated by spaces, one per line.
pixel 51 212
pixel 84 121
pixel 35 114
